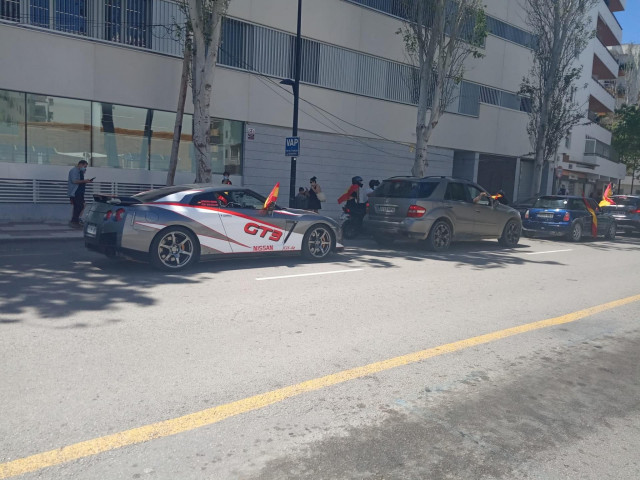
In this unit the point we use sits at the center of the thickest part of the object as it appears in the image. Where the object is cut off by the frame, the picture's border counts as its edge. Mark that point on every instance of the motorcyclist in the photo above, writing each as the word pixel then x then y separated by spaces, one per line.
pixel 353 192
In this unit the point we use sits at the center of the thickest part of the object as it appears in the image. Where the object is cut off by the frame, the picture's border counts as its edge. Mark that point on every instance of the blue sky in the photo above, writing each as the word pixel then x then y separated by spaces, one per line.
pixel 630 21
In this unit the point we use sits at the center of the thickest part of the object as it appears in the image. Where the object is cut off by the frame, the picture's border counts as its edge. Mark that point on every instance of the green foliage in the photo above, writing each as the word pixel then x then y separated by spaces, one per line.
pixel 626 135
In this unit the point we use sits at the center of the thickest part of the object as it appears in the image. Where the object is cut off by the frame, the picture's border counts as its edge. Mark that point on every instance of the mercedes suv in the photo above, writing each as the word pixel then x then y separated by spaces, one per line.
pixel 439 210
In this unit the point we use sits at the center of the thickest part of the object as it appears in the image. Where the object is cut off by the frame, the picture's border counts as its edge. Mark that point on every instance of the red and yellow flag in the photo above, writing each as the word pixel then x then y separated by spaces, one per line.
pixel 594 217
pixel 606 197
pixel 273 196
pixel 347 195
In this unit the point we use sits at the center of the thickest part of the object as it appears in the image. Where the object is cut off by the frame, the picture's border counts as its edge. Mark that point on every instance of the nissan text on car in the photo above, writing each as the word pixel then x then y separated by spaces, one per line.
pixel 173 227
pixel 569 217
pixel 437 211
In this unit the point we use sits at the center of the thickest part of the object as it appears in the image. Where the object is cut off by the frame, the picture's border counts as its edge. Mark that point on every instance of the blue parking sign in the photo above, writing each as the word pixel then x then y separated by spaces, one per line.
pixel 292 147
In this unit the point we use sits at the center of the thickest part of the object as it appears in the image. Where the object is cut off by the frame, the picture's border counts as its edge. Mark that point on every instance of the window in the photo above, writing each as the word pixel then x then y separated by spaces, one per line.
pixel 162 127
pixel 457 192
pixel 127 21
pixel 39 13
pixel 121 136
pixel 244 199
pixel 12 123
pixel 406 189
pixel 58 130
pixel 474 192
pixel 71 16
pixel 10 10
pixel 226 146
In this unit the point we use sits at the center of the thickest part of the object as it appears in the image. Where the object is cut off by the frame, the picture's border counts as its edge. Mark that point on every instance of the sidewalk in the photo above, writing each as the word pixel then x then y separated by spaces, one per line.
pixel 21 231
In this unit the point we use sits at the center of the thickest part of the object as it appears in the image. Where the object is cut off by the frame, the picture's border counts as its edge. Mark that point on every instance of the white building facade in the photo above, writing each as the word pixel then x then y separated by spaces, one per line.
pixel 586 162
pixel 98 79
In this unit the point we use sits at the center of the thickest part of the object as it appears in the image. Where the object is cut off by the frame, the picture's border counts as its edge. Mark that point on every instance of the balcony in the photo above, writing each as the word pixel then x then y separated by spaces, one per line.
pixel 608 28
pixel 601 99
pixel 605 66
pixel 615 5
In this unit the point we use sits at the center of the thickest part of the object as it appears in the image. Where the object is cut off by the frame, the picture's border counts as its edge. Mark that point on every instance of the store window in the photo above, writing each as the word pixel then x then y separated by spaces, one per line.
pixel 58 130
pixel 121 136
pixel 12 124
pixel 226 146
pixel 162 140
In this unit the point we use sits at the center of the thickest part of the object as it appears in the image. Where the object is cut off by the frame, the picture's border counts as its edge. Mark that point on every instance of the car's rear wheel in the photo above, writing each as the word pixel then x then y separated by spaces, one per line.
pixel 174 248
pixel 440 236
pixel 318 242
pixel 611 233
pixel 510 235
pixel 576 232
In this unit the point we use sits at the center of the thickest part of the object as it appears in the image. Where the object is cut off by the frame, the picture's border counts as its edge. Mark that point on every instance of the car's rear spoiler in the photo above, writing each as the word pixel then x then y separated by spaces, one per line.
pixel 115 200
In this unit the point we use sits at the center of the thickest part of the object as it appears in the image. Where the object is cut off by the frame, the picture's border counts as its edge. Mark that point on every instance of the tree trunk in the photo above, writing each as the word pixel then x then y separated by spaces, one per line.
pixel 177 130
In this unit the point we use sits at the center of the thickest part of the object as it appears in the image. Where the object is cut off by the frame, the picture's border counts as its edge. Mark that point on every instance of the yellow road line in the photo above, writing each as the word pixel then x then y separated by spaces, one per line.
pixel 221 412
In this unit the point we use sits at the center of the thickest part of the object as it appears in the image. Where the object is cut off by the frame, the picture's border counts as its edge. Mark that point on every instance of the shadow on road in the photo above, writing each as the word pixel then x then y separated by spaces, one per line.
pixel 55 280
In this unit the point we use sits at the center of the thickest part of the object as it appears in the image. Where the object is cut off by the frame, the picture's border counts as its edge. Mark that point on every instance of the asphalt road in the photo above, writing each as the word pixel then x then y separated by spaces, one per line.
pixel 377 364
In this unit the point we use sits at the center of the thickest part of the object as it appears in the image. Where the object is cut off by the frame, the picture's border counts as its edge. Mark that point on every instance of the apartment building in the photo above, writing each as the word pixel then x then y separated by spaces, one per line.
pixel 586 162
pixel 98 79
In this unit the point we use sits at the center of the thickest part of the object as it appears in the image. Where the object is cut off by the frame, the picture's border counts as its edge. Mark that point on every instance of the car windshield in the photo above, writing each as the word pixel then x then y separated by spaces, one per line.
pixel 546 202
pixel 626 201
pixel 153 195
pixel 406 189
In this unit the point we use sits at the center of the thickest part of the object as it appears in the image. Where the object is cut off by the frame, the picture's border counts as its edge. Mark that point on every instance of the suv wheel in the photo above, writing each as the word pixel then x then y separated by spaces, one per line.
pixel 510 235
pixel 611 233
pixel 440 236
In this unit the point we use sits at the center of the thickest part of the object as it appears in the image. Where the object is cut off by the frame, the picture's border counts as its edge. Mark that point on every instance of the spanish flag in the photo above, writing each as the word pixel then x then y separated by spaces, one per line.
pixel 606 197
pixel 347 195
pixel 273 196
pixel 594 222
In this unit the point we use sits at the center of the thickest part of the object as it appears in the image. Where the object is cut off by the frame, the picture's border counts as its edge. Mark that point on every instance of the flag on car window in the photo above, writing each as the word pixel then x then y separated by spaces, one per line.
pixel 273 196
pixel 594 222
pixel 606 197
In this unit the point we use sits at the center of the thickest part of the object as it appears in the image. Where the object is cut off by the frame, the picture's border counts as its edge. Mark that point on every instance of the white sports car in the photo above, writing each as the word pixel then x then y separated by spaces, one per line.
pixel 174 227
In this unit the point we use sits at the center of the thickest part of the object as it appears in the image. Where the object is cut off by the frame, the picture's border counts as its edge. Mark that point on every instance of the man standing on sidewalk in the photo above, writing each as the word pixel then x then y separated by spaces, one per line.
pixel 75 188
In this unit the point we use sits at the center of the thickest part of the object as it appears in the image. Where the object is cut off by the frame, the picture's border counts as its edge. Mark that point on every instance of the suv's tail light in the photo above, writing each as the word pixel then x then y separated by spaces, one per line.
pixel 416 211
pixel 119 214
pixel 366 208
pixel 635 211
pixel 566 217
pixel 108 215
pixel 526 214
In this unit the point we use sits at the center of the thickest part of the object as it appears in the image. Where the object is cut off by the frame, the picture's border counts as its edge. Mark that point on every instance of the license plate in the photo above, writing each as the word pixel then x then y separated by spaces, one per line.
pixel 91 230
pixel 385 209
pixel 546 216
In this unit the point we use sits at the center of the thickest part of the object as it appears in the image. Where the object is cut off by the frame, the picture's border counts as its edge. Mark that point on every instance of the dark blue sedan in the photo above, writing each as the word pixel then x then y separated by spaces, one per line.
pixel 566 216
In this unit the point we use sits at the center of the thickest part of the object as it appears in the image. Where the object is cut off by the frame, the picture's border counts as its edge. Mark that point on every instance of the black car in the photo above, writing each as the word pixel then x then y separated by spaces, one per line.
pixel 626 211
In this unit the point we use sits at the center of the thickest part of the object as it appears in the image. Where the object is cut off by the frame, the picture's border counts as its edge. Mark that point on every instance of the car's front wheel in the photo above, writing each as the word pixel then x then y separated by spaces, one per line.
pixel 318 242
pixel 440 236
pixel 174 248
pixel 611 233
pixel 510 235
pixel 575 234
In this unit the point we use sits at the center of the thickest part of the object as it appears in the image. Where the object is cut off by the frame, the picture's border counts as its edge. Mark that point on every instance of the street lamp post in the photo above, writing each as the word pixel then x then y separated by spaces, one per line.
pixel 296 96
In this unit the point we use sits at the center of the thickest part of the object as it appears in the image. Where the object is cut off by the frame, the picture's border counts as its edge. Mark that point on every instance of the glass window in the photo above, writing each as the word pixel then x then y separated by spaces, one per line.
pixel 457 191
pixel 136 23
pixel 162 140
pixel 474 192
pixel 71 16
pixel 10 10
pixel 550 202
pixel 121 136
pixel 244 199
pixel 39 13
pixel 112 20
pixel 12 122
pixel 58 130
pixel 226 146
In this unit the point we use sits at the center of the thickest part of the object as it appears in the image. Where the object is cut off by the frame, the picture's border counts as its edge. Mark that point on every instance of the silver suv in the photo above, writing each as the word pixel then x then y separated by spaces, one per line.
pixel 439 210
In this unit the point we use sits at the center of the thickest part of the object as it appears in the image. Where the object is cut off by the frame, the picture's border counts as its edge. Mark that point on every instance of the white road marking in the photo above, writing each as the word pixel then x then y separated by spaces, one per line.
pixel 311 274
pixel 26 255
pixel 550 251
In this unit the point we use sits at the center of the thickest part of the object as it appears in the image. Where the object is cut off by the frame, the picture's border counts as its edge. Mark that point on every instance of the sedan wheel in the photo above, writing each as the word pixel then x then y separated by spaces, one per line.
pixel 174 249
pixel 317 242
pixel 611 233
pixel 576 232
pixel 440 236
pixel 510 235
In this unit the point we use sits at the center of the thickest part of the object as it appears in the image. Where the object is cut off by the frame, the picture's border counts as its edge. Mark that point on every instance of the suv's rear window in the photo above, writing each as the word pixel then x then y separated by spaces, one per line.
pixel 406 189
pixel 627 201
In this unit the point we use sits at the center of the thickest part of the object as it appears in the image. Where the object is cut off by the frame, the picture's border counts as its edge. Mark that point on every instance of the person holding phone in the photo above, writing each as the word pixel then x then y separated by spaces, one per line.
pixel 76 185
